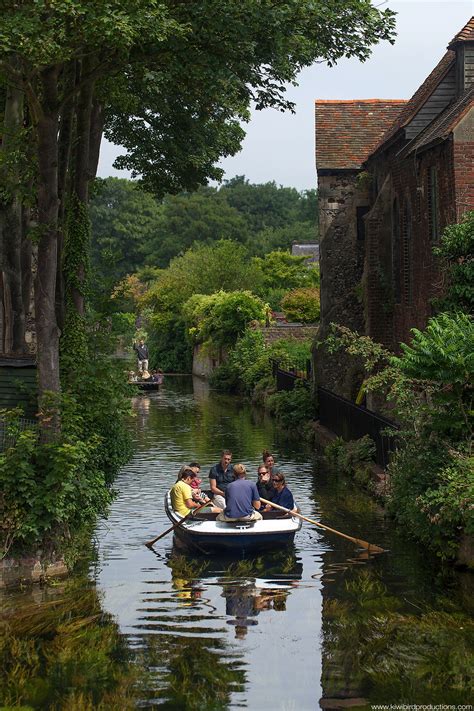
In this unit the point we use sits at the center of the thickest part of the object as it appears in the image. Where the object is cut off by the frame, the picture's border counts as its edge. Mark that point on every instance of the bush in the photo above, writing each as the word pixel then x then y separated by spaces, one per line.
pixel 293 408
pixel 302 305
pixel 430 385
pixel 51 490
pixel 220 318
pixel 352 458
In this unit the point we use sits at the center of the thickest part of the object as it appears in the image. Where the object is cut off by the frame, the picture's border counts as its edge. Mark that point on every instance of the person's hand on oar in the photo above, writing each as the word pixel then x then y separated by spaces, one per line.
pixel 370 547
pixel 151 543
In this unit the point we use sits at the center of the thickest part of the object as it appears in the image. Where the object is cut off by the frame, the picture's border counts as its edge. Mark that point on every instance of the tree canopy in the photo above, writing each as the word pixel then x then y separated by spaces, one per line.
pixel 132 228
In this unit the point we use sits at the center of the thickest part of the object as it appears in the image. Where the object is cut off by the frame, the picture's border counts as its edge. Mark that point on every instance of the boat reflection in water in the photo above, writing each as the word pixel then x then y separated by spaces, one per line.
pixel 249 587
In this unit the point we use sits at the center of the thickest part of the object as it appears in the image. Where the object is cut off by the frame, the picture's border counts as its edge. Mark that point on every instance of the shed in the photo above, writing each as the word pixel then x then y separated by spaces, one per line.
pixel 18 385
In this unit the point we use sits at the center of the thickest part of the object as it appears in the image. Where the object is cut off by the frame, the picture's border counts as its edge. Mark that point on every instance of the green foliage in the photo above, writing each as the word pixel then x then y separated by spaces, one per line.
pixel 75 269
pixel 204 270
pixel 292 409
pixel 430 387
pixel 352 458
pixel 50 490
pixel 302 305
pixel 124 221
pixel 282 270
pixel 131 227
pixel 220 318
pixel 440 359
pixel 204 216
pixel 53 489
pixel 457 254
pixel 179 113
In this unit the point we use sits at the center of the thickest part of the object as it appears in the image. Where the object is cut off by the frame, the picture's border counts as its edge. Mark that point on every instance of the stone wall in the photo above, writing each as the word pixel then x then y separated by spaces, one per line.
pixel 288 330
pixel 204 362
pixel 26 571
pixel 343 196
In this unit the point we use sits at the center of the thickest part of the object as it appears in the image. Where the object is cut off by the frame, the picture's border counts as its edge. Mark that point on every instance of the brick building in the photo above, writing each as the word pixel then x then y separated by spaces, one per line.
pixel 391 176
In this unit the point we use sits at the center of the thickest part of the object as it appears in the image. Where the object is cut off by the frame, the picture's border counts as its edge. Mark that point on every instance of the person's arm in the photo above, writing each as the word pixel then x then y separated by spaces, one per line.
pixel 191 504
pixel 256 503
pixel 214 488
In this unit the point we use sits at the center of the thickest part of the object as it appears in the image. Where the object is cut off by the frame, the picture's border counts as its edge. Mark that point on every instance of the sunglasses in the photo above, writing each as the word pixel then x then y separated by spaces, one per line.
pixel 262 473
pixel 276 478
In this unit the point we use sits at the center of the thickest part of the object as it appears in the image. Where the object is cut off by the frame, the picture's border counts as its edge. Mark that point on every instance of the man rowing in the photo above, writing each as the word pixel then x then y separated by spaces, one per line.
pixel 241 498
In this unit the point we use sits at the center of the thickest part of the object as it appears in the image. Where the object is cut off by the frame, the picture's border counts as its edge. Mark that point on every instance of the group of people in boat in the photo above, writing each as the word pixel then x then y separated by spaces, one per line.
pixel 156 376
pixel 231 495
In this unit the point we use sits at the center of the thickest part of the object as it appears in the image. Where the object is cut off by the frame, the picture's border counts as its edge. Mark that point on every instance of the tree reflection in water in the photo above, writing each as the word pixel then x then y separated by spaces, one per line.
pixel 60 650
pixel 377 646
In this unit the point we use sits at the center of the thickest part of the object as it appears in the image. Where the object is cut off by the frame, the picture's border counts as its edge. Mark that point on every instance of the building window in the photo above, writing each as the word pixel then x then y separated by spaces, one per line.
pixel 396 253
pixel 407 260
pixel 433 204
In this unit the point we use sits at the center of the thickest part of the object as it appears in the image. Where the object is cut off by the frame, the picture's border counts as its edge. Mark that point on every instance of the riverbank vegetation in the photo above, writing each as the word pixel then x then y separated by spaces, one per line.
pixel 429 387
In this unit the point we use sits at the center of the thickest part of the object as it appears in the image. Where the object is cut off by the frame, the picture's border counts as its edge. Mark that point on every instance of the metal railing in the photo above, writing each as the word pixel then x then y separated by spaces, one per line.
pixel 9 433
pixel 351 421
pixel 287 371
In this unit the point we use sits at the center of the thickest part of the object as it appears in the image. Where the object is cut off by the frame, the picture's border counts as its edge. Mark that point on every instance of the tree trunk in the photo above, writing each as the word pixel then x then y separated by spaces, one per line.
pixel 45 281
pixel 65 144
pixel 77 241
pixel 13 340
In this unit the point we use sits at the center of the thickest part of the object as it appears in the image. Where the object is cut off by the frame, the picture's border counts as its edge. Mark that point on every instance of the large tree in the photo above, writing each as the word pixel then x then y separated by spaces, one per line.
pixel 168 79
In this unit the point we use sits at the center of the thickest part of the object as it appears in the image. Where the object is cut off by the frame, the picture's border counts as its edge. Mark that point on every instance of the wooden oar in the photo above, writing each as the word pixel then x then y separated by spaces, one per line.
pixel 151 543
pixel 364 544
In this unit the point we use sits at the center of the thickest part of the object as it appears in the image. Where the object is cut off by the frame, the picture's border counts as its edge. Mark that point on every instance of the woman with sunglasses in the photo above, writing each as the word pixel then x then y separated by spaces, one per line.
pixel 282 496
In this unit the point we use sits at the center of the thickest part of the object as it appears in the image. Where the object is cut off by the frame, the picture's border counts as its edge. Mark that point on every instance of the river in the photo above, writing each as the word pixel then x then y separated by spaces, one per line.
pixel 318 625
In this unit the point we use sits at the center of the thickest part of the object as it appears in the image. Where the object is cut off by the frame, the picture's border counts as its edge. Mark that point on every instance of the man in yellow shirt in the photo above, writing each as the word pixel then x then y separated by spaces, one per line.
pixel 182 495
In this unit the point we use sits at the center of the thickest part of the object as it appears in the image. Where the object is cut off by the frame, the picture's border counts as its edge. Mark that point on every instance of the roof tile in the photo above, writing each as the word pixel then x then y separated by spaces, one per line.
pixel 348 130
pixel 466 34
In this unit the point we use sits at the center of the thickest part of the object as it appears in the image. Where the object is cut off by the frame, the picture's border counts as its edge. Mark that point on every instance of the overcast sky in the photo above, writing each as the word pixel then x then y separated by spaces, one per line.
pixel 280 147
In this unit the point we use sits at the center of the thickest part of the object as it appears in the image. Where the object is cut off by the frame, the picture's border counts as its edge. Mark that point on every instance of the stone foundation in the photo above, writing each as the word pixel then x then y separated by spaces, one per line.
pixel 15 572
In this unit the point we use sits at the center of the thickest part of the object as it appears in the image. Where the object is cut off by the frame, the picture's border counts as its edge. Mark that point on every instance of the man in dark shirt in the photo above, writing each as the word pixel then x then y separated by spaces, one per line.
pixel 241 498
pixel 142 355
pixel 220 476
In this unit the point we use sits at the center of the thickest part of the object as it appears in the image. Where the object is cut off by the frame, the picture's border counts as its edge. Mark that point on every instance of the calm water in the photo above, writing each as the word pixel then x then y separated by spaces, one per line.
pixel 314 626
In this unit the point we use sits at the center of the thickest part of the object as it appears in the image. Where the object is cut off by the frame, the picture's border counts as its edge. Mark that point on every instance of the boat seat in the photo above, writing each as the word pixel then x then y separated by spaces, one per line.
pixel 210 516
pixel 238 524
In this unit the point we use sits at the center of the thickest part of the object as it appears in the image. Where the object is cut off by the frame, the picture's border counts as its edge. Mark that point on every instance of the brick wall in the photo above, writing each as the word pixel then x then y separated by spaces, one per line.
pixel 464 164
pixel 298 331
pixel 401 274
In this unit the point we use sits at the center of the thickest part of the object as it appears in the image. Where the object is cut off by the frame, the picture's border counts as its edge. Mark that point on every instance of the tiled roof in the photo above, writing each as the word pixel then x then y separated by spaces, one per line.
pixel 347 131
pixel 442 126
pixel 466 34
pixel 419 97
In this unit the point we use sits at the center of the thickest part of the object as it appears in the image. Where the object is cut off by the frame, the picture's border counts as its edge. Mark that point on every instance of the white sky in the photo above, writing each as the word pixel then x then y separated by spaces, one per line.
pixel 280 146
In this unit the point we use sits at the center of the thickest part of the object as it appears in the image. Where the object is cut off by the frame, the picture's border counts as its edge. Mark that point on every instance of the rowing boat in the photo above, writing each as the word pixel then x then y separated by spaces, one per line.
pixel 204 533
pixel 144 385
